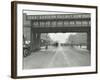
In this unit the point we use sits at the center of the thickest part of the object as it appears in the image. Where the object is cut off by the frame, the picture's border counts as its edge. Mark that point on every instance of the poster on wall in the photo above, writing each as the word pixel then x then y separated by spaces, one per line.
pixel 49 39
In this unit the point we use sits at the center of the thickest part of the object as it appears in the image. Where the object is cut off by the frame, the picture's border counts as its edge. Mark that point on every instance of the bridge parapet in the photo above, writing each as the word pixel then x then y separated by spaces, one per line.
pixel 60 16
pixel 60 20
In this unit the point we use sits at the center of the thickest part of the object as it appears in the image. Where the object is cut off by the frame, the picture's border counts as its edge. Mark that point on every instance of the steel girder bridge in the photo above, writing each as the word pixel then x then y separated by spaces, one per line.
pixel 58 23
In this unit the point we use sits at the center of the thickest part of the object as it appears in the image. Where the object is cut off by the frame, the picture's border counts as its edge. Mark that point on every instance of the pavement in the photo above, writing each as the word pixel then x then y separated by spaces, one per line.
pixel 54 57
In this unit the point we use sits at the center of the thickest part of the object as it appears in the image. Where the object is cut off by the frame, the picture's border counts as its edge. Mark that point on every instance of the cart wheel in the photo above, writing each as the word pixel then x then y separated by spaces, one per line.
pixel 26 52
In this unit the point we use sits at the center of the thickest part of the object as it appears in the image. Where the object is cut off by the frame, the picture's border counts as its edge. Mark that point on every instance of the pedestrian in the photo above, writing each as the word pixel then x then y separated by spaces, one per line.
pixel 46 47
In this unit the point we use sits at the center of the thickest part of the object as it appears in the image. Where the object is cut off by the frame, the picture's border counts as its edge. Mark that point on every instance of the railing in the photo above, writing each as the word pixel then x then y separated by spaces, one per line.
pixel 61 24
pixel 59 16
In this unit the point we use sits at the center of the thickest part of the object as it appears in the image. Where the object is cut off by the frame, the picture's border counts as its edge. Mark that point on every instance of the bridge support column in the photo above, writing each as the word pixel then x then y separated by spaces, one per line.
pixel 35 41
pixel 88 41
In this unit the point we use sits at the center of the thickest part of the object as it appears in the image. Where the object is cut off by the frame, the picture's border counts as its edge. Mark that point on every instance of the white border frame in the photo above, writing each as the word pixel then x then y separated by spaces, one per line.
pixel 21 72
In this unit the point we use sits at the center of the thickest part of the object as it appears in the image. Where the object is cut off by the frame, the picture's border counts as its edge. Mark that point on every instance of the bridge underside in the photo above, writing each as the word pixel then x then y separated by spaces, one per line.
pixel 36 34
pixel 60 29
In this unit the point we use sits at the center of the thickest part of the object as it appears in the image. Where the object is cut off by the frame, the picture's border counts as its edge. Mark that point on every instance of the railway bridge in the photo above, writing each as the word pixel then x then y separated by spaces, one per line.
pixel 54 23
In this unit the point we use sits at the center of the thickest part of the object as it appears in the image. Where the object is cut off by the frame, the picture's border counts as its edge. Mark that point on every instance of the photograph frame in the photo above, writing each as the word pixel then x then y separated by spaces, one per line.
pixel 14 40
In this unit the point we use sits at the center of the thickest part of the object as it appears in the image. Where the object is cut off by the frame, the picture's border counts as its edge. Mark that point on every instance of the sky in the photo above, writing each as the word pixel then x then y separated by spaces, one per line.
pixel 44 12
pixel 60 37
